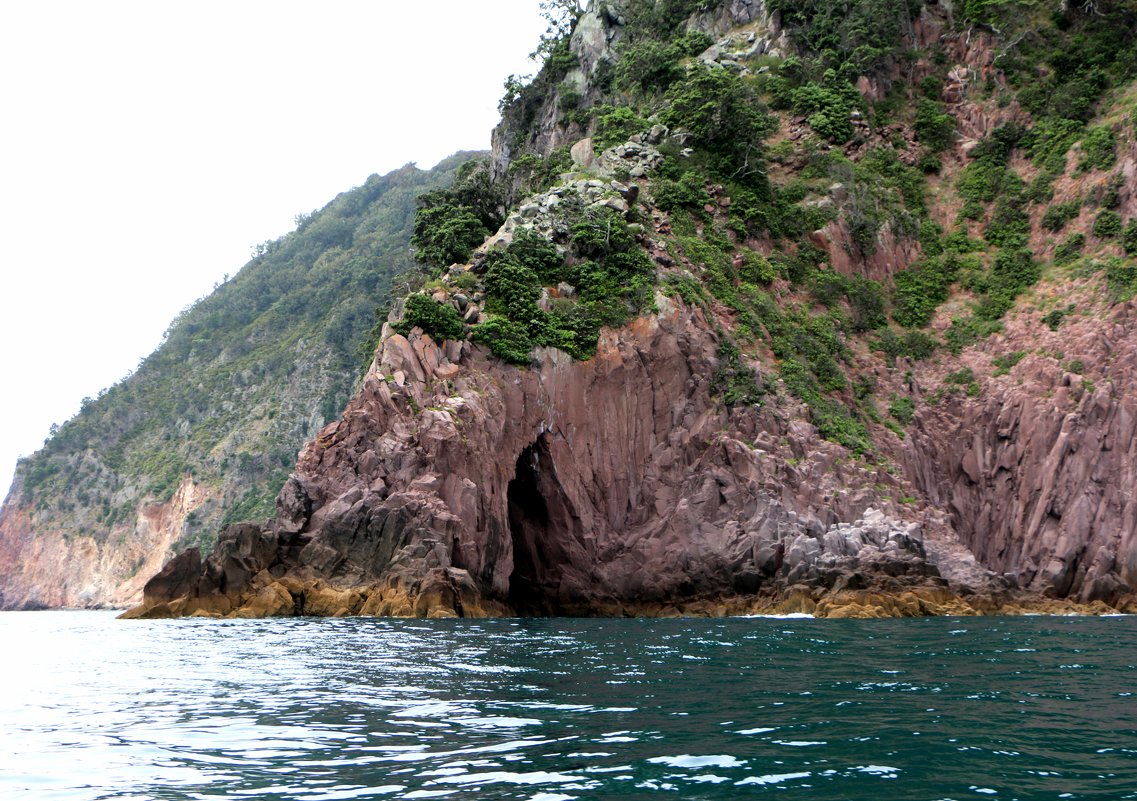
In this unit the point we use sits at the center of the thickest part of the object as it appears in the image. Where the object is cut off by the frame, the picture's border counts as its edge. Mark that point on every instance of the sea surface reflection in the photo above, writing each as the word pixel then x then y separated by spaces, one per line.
pixel 1013 708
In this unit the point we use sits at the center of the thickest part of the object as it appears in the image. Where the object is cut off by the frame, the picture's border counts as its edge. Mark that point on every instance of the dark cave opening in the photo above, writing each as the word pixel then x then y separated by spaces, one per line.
pixel 536 555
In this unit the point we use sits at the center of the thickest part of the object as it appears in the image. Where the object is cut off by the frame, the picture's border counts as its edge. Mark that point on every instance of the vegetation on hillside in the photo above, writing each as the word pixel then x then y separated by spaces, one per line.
pixel 244 376
pixel 1060 63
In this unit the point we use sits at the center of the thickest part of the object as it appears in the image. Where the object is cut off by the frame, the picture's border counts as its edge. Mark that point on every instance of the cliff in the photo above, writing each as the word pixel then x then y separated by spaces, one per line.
pixel 756 307
pixel 207 428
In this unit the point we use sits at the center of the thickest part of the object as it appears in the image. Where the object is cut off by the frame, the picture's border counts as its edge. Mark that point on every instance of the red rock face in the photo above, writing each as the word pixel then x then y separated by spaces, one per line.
pixel 457 484
pixel 553 486
pixel 1038 474
pixel 41 568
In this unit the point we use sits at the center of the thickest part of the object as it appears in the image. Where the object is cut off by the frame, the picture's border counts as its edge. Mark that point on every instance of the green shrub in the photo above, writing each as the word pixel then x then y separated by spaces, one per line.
pixel 934 128
pixel 686 287
pixel 506 339
pixel 726 120
pixel 1004 363
pixel 1059 214
pixel 1009 225
pixel 911 344
pixel 1129 238
pixel 853 38
pixel 687 192
pixel 902 409
pixel 1098 149
pixel 733 380
pixel 446 234
pixel 1050 142
pixel 1041 189
pixel 919 290
pixel 466 280
pixel 1070 249
pixel 1110 194
pixel 983 181
pixel 512 288
pixel 613 278
pixel 599 233
pixel 576 329
pixel 866 299
pixel 1013 271
pixel 827 110
pixel 614 125
pixel 660 19
pixel 450 223
pixel 534 173
pixel 648 65
pixel 828 287
pixel 1053 319
pixel 1121 275
pixel 931 87
pixel 1107 224
pixel 966 331
pixel 964 377
pixel 929 162
pixel 539 255
pixel 693 42
pixel 438 320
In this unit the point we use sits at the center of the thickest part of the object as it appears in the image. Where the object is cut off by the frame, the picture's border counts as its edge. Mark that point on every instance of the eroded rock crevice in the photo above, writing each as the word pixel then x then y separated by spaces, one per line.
pixel 539 524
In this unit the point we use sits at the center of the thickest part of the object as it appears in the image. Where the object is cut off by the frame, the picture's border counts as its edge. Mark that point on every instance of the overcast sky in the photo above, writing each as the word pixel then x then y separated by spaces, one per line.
pixel 145 147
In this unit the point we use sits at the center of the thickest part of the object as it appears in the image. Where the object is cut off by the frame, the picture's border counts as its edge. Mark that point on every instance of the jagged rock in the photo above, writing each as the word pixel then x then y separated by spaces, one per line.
pixel 516 493
pixel 463 486
pixel 179 577
pixel 293 508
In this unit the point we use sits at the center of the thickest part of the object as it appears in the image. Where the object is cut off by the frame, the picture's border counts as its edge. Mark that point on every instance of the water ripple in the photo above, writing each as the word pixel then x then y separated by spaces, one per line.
pixel 552 710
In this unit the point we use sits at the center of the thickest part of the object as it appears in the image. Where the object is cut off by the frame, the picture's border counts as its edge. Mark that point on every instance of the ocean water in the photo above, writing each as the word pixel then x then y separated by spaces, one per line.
pixel 557 709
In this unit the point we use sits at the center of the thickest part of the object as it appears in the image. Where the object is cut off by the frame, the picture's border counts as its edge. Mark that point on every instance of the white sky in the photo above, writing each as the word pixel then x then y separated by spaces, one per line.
pixel 146 146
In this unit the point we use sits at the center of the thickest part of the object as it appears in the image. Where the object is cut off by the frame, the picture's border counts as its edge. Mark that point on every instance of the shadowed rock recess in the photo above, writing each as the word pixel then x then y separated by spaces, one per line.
pixel 865 358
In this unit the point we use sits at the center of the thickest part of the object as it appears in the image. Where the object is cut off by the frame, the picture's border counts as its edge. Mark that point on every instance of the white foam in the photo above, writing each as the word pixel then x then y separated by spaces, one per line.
pixel 689 761
pixel 772 778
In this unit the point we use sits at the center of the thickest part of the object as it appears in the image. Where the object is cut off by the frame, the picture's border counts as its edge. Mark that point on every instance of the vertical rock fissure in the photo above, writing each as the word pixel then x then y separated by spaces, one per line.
pixel 534 533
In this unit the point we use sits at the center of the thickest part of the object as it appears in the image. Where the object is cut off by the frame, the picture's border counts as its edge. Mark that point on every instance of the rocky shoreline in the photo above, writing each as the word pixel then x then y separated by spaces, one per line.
pixel 290 598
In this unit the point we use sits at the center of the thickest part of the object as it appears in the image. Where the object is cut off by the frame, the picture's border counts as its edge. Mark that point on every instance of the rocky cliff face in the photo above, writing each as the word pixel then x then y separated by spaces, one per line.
pixel 82 570
pixel 1038 473
pixel 455 484
pixel 866 382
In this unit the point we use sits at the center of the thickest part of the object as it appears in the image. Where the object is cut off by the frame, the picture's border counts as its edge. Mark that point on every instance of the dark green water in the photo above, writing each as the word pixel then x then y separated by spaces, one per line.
pixel 1005 708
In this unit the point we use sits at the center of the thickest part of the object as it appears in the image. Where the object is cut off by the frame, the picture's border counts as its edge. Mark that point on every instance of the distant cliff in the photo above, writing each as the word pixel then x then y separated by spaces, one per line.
pixel 207 428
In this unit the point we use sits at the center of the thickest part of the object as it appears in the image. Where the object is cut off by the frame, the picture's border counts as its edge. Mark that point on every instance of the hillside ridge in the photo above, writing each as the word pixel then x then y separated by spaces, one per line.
pixel 207 427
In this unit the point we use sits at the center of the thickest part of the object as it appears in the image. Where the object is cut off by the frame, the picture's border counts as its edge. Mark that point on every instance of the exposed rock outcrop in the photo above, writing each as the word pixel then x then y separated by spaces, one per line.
pixel 209 424
pixel 42 572
pixel 1038 472
pixel 571 487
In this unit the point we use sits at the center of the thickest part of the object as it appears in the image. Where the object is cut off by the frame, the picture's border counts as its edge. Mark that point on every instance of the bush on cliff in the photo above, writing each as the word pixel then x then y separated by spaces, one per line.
pixel 853 38
pixel 614 125
pixel 919 290
pixel 726 119
pixel 611 276
pixel 450 223
pixel 438 320
pixel 1129 238
pixel 1107 224
pixel 934 127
